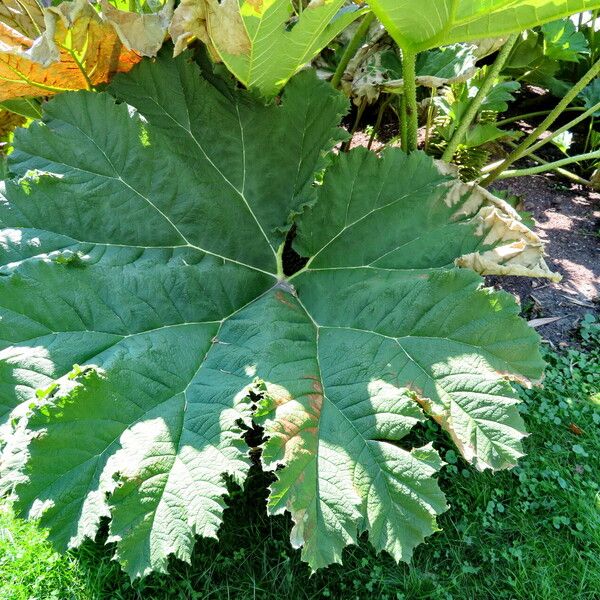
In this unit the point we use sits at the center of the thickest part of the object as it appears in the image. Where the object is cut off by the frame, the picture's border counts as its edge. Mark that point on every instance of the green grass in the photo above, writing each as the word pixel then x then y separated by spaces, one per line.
pixel 529 534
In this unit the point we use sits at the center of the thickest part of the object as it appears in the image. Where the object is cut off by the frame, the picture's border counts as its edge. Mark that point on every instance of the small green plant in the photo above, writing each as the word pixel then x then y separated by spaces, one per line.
pixel 483 135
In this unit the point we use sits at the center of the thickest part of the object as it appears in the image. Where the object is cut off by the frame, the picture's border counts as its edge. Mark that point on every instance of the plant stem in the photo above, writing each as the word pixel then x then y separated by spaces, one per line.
pixel 543 126
pixel 403 124
pixel 351 49
pixel 475 104
pixel 380 114
pixel 549 166
pixel 359 113
pixel 430 111
pixel 576 121
pixel 594 47
pixel 409 74
pixel 279 256
pixel 538 159
pixel 588 137
pixel 539 113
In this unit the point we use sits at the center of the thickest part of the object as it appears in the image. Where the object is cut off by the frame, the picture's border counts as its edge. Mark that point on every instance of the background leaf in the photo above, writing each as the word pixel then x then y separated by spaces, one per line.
pixel 83 50
pixel 451 21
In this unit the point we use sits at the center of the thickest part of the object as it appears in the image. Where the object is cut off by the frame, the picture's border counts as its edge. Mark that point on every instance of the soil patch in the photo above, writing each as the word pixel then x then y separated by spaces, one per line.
pixel 567 219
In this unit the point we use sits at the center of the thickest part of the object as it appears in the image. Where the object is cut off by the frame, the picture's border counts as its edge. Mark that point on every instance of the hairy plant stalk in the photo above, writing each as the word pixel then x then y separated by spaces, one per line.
pixel 409 74
pixel 533 137
pixel 475 105
pixel 351 49
pixel 593 45
pixel 549 166
pixel 588 137
pixel 403 124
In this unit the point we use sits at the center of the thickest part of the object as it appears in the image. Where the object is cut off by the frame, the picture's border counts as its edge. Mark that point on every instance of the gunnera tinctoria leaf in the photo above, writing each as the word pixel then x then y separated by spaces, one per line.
pixel 142 235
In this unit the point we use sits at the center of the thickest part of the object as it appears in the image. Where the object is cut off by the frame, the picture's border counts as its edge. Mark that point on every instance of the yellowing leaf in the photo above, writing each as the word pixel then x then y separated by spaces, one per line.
pixel 77 50
pixel 9 121
pixel 25 16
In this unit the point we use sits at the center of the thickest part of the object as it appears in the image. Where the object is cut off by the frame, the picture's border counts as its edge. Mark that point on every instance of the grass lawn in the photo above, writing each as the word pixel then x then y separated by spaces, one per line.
pixel 529 534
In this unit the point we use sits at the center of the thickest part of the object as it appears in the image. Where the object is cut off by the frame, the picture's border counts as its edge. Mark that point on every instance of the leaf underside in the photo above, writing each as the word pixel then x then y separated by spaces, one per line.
pixel 452 21
pixel 140 234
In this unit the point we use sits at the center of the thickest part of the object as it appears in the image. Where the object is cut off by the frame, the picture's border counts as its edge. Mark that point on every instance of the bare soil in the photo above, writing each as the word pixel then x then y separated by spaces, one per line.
pixel 567 219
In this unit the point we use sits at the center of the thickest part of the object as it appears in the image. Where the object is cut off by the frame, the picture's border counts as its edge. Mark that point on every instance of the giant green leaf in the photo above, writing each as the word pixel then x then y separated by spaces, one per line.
pixel 141 239
pixel 418 26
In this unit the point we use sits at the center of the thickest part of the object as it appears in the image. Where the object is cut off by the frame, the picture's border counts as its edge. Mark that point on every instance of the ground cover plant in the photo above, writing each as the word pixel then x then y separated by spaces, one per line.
pixel 197 279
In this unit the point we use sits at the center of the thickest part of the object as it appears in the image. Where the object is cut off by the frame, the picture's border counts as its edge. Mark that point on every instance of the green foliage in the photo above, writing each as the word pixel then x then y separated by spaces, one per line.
pixel 549 57
pixel 430 23
pixel 450 63
pixel 474 152
pixel 27 108
pixel 145 245
pixel 29 568
pixel 377 68
pixel 591 96
pixel 563 42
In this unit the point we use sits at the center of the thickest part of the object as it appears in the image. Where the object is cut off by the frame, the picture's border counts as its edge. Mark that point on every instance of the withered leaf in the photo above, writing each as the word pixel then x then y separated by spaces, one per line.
pixel 144 33
pixel 25 16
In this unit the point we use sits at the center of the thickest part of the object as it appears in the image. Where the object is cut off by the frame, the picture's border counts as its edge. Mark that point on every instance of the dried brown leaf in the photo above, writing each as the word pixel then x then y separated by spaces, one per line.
pixel 214 23
pixel 189 22
pixel 509 247
pixel 144 33
pixel 535 323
